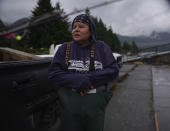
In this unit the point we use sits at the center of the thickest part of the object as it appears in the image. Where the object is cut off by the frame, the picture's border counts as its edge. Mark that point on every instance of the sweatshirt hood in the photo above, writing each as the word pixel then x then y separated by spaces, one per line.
pixel 83 18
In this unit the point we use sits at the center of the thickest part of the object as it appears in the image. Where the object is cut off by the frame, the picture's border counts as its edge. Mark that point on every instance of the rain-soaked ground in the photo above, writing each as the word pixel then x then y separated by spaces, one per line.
pixel 161 89
pixel 131 107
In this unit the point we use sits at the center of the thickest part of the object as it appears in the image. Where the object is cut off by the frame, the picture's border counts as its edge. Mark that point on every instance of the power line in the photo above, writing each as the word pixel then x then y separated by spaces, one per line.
pixel 54 15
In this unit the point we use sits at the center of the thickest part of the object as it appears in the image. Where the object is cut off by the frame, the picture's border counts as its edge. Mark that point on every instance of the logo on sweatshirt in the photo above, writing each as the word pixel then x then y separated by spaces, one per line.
pixel 83 66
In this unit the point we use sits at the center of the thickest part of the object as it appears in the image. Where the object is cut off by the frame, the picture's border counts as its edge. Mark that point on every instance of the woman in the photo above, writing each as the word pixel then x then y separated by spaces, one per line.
pixel 83 68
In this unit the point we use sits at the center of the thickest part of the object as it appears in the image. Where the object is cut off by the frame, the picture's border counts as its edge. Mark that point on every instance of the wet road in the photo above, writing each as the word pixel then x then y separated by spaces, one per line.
pixel 131 107
pixel 161 89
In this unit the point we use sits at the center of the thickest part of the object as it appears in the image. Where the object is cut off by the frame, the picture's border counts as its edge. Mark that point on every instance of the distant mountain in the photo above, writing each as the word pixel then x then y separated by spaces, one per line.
pixel 147 41
pixel 19 22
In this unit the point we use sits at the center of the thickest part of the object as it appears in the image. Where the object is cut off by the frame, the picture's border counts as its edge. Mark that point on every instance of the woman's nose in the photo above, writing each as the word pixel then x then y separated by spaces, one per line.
pixel 77 28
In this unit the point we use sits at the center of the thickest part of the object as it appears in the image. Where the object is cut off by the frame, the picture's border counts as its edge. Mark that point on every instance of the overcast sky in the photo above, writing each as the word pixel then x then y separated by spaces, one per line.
pixel 127 17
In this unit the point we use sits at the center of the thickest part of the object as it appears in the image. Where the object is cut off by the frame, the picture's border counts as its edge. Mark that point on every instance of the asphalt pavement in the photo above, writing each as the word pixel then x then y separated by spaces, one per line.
pixel 161 89
pixel 131 107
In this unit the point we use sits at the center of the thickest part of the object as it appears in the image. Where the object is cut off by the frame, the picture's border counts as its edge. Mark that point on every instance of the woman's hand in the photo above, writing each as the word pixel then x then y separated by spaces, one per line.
pixel 84 91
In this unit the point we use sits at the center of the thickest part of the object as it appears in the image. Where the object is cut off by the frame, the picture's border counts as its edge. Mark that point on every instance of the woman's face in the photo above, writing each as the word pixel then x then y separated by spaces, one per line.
pixel 81 32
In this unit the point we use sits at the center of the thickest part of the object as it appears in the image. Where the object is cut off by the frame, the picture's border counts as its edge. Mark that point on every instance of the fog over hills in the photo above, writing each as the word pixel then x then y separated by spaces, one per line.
pixel 156 38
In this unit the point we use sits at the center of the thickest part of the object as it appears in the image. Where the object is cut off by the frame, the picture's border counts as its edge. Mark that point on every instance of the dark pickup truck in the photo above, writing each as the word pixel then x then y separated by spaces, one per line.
pixel 28 99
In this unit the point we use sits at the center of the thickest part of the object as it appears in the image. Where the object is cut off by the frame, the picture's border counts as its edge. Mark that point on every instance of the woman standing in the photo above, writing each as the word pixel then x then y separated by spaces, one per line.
pixel 83 67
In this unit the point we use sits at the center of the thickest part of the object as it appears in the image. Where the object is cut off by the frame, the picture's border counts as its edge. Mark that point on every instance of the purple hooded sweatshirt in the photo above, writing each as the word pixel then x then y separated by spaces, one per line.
pixel 77 74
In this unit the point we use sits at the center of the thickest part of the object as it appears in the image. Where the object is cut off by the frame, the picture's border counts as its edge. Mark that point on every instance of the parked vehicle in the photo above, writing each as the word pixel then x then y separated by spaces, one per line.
pixel 29 101
pixel 118 58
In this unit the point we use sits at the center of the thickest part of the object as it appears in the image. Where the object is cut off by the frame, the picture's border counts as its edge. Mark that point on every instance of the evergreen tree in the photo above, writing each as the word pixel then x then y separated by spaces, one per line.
pixel 105 34
pixel 126 47
pixel 51 32
pixel 101 30
pixel 2 39
pixel 61 32
pixel 134 48
pixel 1 24
pixel 117 43
pixel 43 6
pixel 87 11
